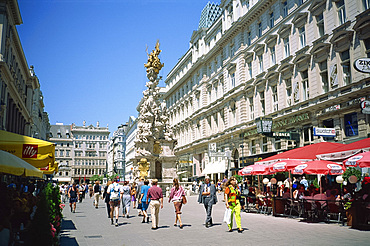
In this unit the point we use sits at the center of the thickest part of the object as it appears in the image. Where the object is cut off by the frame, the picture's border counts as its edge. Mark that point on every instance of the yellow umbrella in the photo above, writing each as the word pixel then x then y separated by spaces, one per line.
pixel 11 164
pixel 38 153
pixel 51 169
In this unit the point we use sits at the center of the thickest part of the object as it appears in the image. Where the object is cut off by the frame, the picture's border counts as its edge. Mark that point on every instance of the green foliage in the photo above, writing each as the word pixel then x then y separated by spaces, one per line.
pixel 96 177
pixel 352 171
pixel 238 178
pixel 46 224
pixel 39 232
pixel 316 183
pixel 111 177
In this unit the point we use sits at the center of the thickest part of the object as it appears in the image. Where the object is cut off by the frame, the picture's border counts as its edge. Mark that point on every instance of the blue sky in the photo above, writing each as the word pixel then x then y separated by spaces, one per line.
pixel 89 55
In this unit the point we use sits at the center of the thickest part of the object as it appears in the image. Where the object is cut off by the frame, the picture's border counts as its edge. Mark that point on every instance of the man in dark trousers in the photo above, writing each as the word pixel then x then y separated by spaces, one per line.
pixel 207 196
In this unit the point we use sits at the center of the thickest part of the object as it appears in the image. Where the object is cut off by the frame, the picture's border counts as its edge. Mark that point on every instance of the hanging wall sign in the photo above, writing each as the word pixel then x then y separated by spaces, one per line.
pixel 365 106
pixel 362 65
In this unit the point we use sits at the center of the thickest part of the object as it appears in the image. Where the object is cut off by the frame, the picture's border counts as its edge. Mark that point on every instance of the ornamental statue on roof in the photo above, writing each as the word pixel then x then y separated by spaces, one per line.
pixel 154 139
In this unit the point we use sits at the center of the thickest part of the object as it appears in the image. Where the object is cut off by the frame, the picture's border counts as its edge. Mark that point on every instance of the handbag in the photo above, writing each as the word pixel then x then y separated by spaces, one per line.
pixel 184 201
pixel 227 216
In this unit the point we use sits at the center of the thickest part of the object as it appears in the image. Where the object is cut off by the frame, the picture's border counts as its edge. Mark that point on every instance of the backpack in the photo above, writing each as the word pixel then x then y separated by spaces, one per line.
pixel 114 193
pixel 97 189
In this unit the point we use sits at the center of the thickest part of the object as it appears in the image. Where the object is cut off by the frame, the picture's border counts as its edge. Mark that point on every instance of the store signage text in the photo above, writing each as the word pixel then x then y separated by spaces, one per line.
pixel 365 106
pixel 291 121
pixel 362 65
pixel 287 122
pixel 327 132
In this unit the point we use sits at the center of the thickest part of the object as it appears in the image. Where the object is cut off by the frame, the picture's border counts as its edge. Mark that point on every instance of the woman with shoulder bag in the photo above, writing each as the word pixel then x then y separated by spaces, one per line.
pixel 177 196
pixel 232 194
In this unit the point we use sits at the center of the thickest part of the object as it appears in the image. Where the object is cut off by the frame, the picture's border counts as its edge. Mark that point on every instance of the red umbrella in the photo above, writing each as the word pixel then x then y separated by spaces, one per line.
pixel 319 167
pixel 360 160
pixel 306 153
pixel 284 165
pixel 254 170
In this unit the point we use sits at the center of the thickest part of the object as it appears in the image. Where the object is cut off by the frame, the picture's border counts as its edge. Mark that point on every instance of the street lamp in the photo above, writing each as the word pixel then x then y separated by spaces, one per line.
pixel 242 146
pixel 264 125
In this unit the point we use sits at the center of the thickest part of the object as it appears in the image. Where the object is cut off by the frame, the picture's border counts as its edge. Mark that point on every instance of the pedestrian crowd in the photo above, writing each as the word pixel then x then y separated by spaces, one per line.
pixel 143 196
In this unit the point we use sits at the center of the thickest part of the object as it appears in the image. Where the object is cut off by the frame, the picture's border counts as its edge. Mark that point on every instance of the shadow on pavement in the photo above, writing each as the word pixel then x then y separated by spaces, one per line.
pixel 68 225
pixel 124 223
pixel 70 241
pixel 162 227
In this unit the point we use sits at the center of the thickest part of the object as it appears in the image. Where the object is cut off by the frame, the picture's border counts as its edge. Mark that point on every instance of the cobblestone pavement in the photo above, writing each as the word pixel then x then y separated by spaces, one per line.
pixel 90 226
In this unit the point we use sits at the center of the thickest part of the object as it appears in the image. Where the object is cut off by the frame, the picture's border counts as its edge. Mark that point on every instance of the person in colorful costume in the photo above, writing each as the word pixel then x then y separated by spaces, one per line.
pixel 232 194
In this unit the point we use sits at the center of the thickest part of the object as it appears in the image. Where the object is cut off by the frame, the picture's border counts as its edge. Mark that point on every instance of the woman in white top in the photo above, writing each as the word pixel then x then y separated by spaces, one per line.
pixel 176 195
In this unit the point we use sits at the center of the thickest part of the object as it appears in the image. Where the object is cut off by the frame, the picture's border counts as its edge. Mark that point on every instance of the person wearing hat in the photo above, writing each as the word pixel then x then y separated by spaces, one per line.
pixel 207 196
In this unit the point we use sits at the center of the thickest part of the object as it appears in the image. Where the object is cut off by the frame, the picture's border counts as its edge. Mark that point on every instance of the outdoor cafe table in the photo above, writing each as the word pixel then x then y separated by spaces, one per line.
pixel 307 208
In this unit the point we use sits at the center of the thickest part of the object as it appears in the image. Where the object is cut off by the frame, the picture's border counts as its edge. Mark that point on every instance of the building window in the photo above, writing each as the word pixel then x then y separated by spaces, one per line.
pixel 233 114
pixel 288 86
pixel 341 12
pixel 351 125
pixel 264 145
pixel 324 76
pixel 67 153
pixel 302 37
pixel 285 8
pixel 253 148
pixel 346 68
pixel 366 4
pixel 277 144
pixel 209 101
pixel 61 153
pixel 250 69
pixel 329 123
pixel 232 79
pixel 262 101
pixel 272 20
pixel 232 51
pixel 286 47
pixel 260 63
pixel 251 108
pixel 275 98
pixel 305 85
pixel 367 47
pixel 273 56
pixel 259 29
pixel 300 2
pixel 248 38
pixel 307 134
pixel 320 24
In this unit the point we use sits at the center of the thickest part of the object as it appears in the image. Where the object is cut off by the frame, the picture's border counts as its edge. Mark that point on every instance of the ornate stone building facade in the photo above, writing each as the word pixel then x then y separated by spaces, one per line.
pixel 131 131
pixel 290 60
pixel 80 150
pixel 64 151
pixel 18 83
pixel 90 151
pixel 117 151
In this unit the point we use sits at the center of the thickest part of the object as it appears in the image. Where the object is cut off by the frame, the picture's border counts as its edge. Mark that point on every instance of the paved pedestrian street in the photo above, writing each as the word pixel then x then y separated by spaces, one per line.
pixel 90 226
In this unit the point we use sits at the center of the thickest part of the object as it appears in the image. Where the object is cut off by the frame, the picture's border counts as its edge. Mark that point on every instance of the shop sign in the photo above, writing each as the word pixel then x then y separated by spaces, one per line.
pixel 29 151
pixel 365 106
pixel 332 108
pixel 326 132
pixel 362 65
pixel 212 151
pixel 291 121
pixel 284 135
